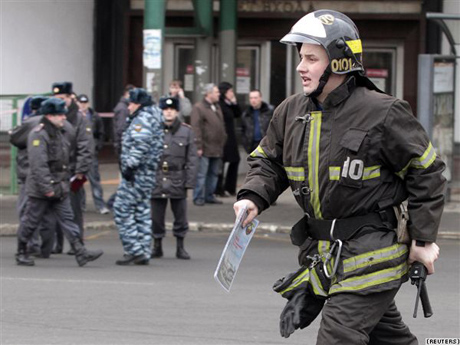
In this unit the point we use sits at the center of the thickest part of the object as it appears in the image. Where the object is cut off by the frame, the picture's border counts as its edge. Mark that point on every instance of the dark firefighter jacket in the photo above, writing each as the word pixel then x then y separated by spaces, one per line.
pixel 178 165
pixel 363 150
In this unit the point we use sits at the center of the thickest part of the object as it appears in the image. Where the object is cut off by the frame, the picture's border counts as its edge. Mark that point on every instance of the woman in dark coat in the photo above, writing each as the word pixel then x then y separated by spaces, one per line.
pixel 231 110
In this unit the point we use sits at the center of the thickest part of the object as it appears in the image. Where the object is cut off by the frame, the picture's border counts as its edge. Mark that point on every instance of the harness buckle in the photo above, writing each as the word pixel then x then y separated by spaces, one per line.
pixel 328 257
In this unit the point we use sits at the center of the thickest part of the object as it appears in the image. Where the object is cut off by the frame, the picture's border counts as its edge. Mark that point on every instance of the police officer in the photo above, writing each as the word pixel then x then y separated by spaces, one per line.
pixel 351 155
pixel 18 138
pixel 176 173
pixel 80 166
pixel 142 146
pixel 47 183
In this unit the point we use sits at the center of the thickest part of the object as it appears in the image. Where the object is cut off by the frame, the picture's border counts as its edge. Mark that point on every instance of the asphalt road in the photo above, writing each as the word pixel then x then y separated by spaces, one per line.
pixel 178 302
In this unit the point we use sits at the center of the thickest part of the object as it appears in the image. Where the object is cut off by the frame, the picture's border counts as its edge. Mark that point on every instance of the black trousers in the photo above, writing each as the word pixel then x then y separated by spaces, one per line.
pixel 36 209
pixel 228 179
pixel 179 209
pixel 351 319
pixel 76 204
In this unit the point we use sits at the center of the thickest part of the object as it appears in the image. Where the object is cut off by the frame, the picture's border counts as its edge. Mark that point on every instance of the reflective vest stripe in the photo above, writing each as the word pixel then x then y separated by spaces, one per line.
pixel 422 162
pixel 370 280
pixel 368 173
pixel 316 284
pixel 258 153
pixel 371 172
pixel 334 173
pixel 313 162
pixel 374 257
pixel 295 173
pixel 303 277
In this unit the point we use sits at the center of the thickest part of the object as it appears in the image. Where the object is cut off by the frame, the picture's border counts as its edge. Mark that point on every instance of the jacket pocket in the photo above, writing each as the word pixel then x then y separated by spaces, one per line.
pixel 352 170
pixel 178 148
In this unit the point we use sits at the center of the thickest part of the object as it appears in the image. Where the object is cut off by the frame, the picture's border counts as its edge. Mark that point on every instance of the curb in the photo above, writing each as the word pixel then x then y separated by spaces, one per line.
pixel 10 229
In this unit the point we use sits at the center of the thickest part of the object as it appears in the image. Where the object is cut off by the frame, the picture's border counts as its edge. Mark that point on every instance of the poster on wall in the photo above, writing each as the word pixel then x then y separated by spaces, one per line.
pixel 243 81
pixel 152 49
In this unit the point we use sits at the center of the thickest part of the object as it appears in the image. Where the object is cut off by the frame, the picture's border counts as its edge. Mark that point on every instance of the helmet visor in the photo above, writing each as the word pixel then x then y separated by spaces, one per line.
pixel 293 39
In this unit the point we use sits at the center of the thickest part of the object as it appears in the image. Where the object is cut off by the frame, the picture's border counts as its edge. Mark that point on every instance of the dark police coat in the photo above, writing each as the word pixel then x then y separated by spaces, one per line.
pixel 48 154
pixel 178 166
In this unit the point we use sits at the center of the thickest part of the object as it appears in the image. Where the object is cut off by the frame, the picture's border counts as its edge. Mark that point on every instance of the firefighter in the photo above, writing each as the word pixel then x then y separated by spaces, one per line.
pixel 352 156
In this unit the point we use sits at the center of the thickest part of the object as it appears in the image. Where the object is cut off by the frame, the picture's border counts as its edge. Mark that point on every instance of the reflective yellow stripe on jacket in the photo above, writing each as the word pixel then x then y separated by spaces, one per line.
pixel 422 162
pixel 313 162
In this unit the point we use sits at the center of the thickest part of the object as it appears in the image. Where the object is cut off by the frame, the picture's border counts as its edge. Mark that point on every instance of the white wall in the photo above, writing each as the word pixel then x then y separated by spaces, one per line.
pixel 42 42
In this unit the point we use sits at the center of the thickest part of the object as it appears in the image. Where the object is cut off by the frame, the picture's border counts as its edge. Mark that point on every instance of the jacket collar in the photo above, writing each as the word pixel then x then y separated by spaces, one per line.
pixel 341 93
pixel 174 127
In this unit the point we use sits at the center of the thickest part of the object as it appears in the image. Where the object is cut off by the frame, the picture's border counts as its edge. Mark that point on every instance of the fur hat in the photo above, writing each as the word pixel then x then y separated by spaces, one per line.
pixel 53 106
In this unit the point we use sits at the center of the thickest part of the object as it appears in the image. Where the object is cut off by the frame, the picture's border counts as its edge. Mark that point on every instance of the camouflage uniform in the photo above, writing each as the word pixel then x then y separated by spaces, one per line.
pixel 142 147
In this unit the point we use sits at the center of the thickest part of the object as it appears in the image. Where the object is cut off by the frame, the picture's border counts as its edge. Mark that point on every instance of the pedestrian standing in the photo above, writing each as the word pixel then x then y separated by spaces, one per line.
pixel 255 121
pixel 47 184
pixel 228 178
pixel 142 146
pixel 208 126
pixel 97 129
pixel 175 90
pixel 352 156
pixel 175 175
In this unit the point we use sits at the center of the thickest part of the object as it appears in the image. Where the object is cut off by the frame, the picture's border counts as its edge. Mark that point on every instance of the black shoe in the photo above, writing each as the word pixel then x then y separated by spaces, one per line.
pixel 22 258
pixel 198 202
pixel 130 259
pixel 214 201
pixel 57 250
pixel 181 253
pixel 71 252
pixel 83 256
pixel 143 261
pixel 157 251
pixel 34 251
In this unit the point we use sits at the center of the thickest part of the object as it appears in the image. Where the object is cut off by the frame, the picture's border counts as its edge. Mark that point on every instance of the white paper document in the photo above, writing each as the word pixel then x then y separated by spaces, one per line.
pixel 234 250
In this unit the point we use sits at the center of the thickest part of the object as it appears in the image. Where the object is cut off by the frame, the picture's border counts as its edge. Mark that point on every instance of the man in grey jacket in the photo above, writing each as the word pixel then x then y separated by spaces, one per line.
pixel 208 125
pixel 47 184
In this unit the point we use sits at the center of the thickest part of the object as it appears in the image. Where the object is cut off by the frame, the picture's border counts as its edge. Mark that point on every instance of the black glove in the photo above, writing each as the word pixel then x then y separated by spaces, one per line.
pixel 128 174
pixel 299 312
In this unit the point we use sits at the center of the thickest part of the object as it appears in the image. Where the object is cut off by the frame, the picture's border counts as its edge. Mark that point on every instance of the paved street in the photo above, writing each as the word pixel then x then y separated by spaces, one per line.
pixel 178 302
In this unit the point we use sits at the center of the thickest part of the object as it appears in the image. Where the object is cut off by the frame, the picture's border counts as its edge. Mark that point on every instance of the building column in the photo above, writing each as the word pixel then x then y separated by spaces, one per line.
pixel 154 27
pixel 203 46
pixel 228 39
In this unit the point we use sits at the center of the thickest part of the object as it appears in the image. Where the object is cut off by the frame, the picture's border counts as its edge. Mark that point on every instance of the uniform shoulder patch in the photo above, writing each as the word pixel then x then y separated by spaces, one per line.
pixel 137 127
pixel 36 142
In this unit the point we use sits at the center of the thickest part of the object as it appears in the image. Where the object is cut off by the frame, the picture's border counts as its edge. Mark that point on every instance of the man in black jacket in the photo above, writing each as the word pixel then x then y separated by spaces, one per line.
pixel 255 121
pixel 80 167
pixel 97 129
pixel 47 184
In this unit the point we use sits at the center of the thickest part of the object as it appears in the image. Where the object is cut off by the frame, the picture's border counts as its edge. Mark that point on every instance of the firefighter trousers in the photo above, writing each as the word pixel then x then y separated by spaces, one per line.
pixel 352 319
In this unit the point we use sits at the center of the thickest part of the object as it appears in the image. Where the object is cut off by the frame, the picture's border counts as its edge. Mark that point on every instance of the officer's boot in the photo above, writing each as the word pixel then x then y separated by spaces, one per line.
pixel 83 256
pixel 22 258
pixel 157 251
pixel 181 253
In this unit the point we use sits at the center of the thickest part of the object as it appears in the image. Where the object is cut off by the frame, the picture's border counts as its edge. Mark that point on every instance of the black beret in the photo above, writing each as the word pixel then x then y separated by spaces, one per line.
pixel 53 106
pixel 83 98
pixel 140 96
pixel 169 102
pixel 60 88
pixel 37 101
